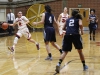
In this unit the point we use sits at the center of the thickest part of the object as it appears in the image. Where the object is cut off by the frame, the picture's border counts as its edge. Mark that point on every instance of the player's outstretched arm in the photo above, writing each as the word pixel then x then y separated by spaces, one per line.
pixel 12 24
pixel 81 26
pixel 59 18
pixel 96 19
pixel 56 23
pixel 27 22
pixel 40 22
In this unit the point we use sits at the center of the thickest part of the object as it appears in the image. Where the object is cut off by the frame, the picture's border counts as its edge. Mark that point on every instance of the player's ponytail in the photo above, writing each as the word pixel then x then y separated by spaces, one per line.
pixel 75 14
pixel 78 16
pixel 48 8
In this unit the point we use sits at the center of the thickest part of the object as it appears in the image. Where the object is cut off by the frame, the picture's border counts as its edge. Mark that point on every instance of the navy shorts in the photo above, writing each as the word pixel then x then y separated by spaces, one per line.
pixel 93 26
pixel 49 34
pixel 72 39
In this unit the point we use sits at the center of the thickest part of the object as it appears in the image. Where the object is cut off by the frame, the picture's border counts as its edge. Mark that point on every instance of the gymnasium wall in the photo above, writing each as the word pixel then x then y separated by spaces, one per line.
pixel 94 4
pixel 57 6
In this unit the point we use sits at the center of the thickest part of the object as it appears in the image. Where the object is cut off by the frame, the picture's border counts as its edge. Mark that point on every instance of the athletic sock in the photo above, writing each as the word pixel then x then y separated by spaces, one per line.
pixel 90 38
pixel 94 38
pixel 60 51
pixel 83 62
pixel 59 63
pixel 49 55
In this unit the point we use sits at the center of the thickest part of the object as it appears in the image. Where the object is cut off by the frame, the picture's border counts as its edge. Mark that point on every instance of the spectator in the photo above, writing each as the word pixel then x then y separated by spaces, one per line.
pixel 10 20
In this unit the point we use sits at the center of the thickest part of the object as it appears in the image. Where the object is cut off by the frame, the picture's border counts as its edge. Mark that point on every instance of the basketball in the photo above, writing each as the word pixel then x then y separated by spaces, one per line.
pixel 4 26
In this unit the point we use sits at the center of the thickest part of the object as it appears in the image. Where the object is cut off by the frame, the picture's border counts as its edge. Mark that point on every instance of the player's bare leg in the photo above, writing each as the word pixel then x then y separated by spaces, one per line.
pixel 93 35
pixel 49 57
pixel 56 46
pixel 15 42
pixel 33 41
pixel 85 67
pixel 60 61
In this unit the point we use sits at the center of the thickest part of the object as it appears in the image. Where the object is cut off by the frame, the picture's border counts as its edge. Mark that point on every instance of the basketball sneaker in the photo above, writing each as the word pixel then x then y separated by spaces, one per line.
pixel 38 47
pixel 11 49
pixel 57 69
pixel 48 58
pixel 85 67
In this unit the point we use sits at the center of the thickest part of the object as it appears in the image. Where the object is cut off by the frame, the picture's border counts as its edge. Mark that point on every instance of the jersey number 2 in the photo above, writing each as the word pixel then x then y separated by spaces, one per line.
pixel 71 22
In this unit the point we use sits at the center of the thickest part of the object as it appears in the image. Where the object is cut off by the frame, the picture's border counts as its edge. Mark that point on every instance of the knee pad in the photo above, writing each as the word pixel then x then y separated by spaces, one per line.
pixel 15 40
pixel 17 36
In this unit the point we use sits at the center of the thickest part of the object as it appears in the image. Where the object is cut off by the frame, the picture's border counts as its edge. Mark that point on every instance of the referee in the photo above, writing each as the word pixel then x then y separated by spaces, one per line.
pixel 10 20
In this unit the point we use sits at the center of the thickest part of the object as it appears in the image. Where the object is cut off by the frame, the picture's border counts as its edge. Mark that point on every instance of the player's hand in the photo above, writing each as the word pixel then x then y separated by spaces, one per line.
pixel 63 33
pixel 34 23
pixel 81 32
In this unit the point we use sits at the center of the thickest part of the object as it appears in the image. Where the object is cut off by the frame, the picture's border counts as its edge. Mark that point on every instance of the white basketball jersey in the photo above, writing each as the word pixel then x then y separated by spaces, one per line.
pixel 63 19
pixel 21 22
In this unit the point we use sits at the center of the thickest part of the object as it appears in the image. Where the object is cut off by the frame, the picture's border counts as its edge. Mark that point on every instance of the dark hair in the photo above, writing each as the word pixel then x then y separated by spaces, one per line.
pixel 79 16
pixel 48 8
pixel 75 14
pixel 92 10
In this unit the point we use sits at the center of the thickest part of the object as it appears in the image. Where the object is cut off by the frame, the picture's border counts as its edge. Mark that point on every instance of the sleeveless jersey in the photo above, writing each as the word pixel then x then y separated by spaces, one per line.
pixel 21 22
pixel 94 19
pixel 49 19
pixel 63 19
pixel 72 25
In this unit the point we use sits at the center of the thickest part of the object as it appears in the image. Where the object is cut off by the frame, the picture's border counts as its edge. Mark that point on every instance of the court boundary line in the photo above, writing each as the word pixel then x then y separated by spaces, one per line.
pixel 69 63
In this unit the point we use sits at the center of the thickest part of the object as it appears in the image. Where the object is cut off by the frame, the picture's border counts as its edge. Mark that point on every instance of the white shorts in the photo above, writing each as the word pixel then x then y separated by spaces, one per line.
pixel 24 32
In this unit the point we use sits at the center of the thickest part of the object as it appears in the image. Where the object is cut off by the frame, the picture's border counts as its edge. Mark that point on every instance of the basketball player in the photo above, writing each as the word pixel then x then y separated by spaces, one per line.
pixel 62 20
pixel 22 22
pixel 93 23
pixel 72 36
pixel 49 31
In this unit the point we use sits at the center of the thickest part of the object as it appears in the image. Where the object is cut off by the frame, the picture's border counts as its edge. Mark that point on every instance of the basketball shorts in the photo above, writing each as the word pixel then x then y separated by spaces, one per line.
pixel 68 40
pixel 92 26
pixel 24 32
pixel 49 34
pixel 60 30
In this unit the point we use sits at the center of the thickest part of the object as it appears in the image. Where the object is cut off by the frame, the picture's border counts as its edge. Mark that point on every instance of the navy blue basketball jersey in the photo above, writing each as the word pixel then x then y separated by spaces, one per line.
pixel 49 19
pixel 72 25
pixel 93 17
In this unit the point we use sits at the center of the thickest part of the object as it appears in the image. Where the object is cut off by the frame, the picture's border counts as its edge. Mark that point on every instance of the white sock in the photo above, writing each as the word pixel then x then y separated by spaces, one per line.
pixel 15 41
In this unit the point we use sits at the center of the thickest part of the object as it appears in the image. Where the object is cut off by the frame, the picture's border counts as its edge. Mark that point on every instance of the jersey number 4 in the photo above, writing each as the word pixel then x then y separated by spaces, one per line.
pixel 71 22
pixel 50 19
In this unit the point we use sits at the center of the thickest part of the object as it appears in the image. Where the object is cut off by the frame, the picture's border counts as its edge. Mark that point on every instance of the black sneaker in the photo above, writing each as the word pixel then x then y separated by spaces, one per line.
pixel 38 47
pixel 11 49
pixel 61 52
pixel 85 67
pixel 57 69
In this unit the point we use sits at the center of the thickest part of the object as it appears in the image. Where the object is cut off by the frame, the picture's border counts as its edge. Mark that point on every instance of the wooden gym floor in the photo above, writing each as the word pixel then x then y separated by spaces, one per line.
pixel 29 61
